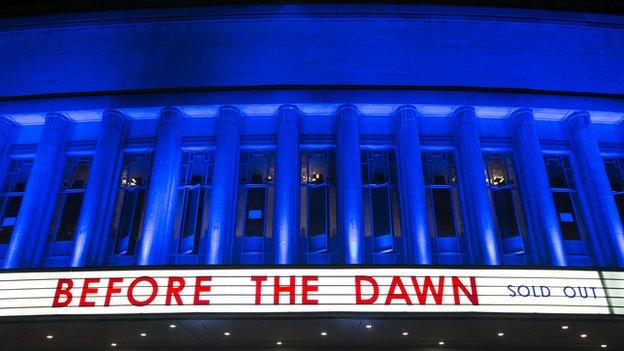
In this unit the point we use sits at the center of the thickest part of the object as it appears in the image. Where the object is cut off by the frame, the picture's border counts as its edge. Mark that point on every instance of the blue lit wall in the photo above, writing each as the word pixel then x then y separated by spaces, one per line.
pixel 224 80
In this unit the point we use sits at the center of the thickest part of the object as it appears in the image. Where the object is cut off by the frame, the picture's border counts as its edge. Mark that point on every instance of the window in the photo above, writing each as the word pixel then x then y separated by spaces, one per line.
pixel 12 195
pixel 565 196
pixel 380 199
pixel 255 196
pixel 615 172
pixel 193 200
pixel 506 202
pixel 318 198
pixel 130 204
pixel 442 199
pixel 71 195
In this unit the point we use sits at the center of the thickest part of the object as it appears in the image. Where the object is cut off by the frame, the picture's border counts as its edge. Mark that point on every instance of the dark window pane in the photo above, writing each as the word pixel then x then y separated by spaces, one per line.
pixel 131 221
pixel 614 174
pixel 10 215
pixel 505 213
pixel 69 218
pixel 619 201
pixel 443 209
pixel 317 211
pixel 567 216
pixel 381 211
pixel 254 220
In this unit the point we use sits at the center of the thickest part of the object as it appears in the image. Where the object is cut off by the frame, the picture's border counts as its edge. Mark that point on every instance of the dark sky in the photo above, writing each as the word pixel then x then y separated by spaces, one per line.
pixel 11 8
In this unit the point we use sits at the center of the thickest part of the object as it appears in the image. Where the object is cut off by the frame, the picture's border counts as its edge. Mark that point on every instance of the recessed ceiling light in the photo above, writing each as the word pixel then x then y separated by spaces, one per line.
pixel 564 327
pixel 368 326
pixel 172 326
pixel 143 334
pixel 113 344
pixel 441 343
pixel 583 336
pixel 226 333
pixel 405 333
pixel 49 336
pixel 278 343
pixel 500 334
pixel 604 346
pixel 324 333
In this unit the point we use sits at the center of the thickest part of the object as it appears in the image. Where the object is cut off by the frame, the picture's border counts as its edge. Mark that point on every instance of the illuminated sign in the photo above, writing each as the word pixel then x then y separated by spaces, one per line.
pixel 284 290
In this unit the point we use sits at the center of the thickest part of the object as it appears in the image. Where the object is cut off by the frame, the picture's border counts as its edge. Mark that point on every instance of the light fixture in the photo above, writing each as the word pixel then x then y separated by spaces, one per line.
pixel 405 333
pixel 368 326
pixel 324 333
pixel 440 342
pixel 113 344
pixel 604 346
pixel 501 334
pixel 278 343
pixel 226 333
pixel 143 334
pixel 564 327
pixel 172 326
pixel 49 336
pixel 583 336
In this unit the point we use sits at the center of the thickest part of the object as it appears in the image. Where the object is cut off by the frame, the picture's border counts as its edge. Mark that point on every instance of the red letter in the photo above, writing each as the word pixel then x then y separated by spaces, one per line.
pixel 422 295
pixel 358 290
pixel 472 296
pixel 308 289
pixel 111 289
pixel 199 288
pixel 175 290
pixel 258 280
pixel 87 290
pixel 152 296
pixel 60 290
pixel 396 282
pixel 278 289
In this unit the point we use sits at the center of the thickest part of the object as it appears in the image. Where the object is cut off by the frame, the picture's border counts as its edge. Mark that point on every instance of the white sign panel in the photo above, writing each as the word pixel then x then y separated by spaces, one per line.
pixel 303 290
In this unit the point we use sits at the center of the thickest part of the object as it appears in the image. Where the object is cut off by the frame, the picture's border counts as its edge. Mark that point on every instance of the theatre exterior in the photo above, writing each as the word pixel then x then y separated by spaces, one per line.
pixel 305 176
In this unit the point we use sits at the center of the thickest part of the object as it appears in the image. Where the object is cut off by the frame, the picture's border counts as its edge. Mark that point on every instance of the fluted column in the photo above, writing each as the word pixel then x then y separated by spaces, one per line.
pixel 162 193
pixel 33 221
pixel 545 237
pixel 287 185
pixel 350 185
pixel 101 189
pixel 6 127
pixel 475 193
pixel 414 228
pixel 598 191
pixel 221 221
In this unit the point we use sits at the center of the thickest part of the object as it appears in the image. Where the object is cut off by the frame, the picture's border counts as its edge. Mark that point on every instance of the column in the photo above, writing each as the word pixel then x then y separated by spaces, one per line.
pixel 101 190
pixel 221 222
pixel 162 194
pixel 595 182
pixel 350 224
pixel 33 221
pixel 414 227
pixel 480 226
pixel 544 231
pixel 6 126
pixel 287 186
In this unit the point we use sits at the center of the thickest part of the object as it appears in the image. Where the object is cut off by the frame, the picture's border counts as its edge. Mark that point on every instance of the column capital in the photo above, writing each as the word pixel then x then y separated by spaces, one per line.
pixel 6 125
pixel 229 114
pixel 577 120
pixel 464 115
pixel 405 114
pixel 55 120
pixel 522 117
pixel 288 113
pixel 170 115
pixel 347 112
pixel 114 118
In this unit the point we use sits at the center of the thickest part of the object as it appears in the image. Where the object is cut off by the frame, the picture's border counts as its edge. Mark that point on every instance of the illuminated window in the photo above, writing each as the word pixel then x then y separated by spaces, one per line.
pixel 615 173
pixel 442 199
pixel 380 199
pixel 193 200
pixel 318 198
pixel 255 195
pixel 506 202
pixel 12 195
pixel 69 201
pixel 130 204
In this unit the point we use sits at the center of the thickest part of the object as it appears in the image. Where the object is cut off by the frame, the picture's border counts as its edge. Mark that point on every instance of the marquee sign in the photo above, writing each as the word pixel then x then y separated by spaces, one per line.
pixel 303 290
